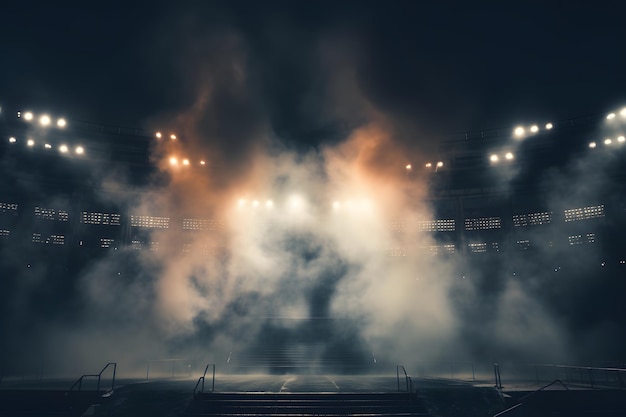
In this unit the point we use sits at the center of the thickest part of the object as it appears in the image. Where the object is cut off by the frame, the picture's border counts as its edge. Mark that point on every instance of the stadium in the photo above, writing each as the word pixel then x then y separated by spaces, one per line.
pixel 505 246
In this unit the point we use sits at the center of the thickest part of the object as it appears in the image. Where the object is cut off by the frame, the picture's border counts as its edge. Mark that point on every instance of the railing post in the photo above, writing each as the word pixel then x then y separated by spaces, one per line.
pixel 496 370
pixel 398 376
pixel 213 384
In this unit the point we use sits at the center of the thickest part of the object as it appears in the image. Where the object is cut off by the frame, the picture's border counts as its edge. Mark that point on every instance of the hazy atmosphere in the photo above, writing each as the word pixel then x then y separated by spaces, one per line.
pixel 295 212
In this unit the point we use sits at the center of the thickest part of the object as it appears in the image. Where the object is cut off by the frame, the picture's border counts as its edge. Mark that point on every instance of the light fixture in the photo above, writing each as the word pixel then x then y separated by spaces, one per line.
pixel 12 140
pixel 494 158
pixel 592 145
pixel 549 126
pixel 79 150
pixel 607 141
pixel 63 149
pixel 28 116
pixel 519 131
pixel 44 120
pixel 61 123
pixel 158 135
pixel 610 116
pixel 508 156
pixel 30 142
pixel 534 128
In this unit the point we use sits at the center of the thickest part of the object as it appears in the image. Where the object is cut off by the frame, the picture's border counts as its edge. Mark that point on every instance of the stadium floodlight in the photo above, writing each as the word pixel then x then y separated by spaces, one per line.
pixel 621 139
pixel 61 123
pixel 79 150
pixel 592 145
pixel 509 156
pixel 610 116
pixel 63 149
pixel 186 162
pixel 173 160
pixel 428 165
pixel 494 158
pixel 44 120
pixel 47 146
pixel 549 126
pixel 269 204
pixel 158 135
pixel 30 143
pixel 173 136
pixel 519 131
pixel 534 128
pixel 12 140
pixel 28 116
pixel 622 112
pixel 608 141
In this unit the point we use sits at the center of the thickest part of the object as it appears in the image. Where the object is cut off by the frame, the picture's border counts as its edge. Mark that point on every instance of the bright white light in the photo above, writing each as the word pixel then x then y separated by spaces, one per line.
pixel 549 126
pixel 607 141
pixel 439 164
pixel 255 203
pixel 336 205
pixel 47 146
pixel 12 140
pixel 534 128
pixel 79 150
pixel 61 123
pixel 592 145
pixel 158 135
pixel 269 204
pixel 508 156
pixel 494 158
pixel 408 167
pixel 28 116
pixel 173 160
pixel 622 112
pixel 63 149
pixel 185 161
pixel 241 202
pixel 519 131
pixel 202 163
pixel 621 139
pixel 296 202
pixel 428 165
pixel 610 116
pixel 44 120
pixel 30 142
pixel 173 137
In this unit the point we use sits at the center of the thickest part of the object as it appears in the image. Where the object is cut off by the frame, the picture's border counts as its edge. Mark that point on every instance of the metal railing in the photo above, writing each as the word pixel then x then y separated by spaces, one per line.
pixel 79 381
pixel 407 378
pixel 594 377
pixel 496 372
pixel 202 378
pixel 525 397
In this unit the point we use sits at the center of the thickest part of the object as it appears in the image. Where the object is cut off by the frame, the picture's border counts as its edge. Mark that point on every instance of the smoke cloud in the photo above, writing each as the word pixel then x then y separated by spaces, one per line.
pixel 299 243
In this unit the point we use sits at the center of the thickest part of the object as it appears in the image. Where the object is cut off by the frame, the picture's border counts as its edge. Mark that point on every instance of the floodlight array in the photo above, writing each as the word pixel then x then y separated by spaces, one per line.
pixel 43 120
pixel 521 132
pixel 63 148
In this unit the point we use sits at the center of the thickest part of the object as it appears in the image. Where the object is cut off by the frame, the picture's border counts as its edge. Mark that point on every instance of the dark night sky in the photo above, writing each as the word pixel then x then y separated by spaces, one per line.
pixel 439 67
